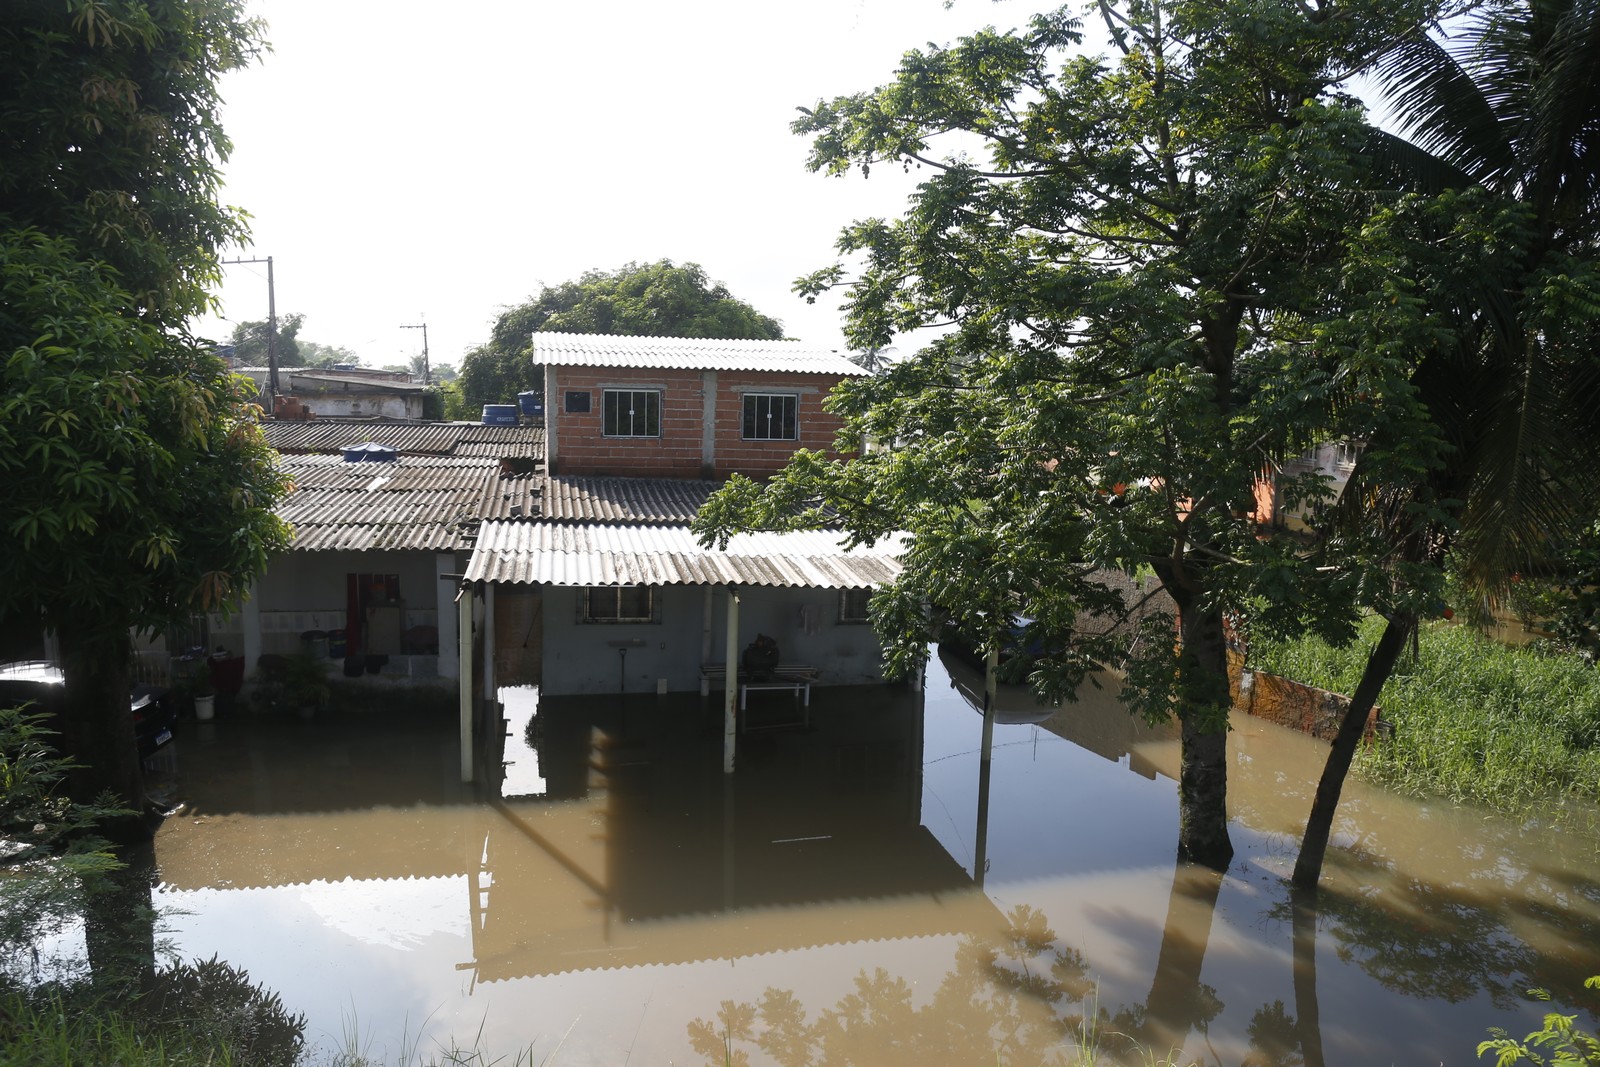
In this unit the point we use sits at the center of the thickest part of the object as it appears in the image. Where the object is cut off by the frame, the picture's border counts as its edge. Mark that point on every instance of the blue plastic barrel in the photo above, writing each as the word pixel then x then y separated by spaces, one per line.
pixel 531 404
pixel 499 414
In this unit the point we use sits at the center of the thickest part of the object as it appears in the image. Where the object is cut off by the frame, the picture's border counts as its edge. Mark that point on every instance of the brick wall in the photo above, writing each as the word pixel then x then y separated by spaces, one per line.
pixel 1300 707
pixel 580 447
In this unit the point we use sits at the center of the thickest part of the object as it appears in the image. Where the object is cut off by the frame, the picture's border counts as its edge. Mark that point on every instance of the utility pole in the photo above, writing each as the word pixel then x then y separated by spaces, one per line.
pixel 272 329
pixel 423 326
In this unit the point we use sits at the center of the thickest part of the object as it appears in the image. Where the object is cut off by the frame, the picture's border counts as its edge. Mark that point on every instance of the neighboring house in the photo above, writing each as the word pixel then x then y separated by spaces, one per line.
pixel 1332 462
pixel 356 392
pixel 378 551
pixel 681 407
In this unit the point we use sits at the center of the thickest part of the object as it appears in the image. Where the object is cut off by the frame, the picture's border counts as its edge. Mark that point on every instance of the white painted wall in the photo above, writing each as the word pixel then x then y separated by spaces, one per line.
pixel 307 591
pixel 578 657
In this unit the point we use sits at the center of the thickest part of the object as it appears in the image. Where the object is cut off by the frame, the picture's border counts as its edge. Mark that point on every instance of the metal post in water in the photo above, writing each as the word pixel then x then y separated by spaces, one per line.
pixel 731 693
pixel 468 680
pixel 981 847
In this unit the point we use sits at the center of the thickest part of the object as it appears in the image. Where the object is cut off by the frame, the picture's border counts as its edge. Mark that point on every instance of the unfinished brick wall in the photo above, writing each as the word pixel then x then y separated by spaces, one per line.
pixel 580 446
pixel 1300 707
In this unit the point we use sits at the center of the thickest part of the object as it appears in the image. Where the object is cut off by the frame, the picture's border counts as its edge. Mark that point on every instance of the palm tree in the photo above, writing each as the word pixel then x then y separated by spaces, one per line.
pixel 1508 109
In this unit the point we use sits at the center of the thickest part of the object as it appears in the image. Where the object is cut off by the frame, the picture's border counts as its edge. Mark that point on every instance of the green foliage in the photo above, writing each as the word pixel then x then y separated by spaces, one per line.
pixel 1560 1042
pixel 49 852
pixel 137 485
pixel 1162 282
pixel 197 1014
pixel 1516 729
pixel 112 138
pixel 650 299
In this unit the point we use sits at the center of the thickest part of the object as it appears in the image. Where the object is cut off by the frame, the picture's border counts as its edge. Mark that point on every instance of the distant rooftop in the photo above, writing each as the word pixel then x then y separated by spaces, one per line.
pixel 688 353
pixel 409 437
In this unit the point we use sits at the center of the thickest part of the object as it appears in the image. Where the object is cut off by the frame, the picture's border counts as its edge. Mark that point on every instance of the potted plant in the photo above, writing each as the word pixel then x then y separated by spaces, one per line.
pixel 193 686
pixel 305 684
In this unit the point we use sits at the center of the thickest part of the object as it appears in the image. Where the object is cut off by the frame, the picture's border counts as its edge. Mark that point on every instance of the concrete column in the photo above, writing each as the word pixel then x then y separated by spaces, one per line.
pixel 708 424
pixel 730 696
pixel 491 689
pixel 553 403
pixel 250 621
pixel 465 686
pixel 445 615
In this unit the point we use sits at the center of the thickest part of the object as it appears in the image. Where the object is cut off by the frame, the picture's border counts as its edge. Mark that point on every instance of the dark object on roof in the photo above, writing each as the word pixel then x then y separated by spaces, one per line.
pixel 370 452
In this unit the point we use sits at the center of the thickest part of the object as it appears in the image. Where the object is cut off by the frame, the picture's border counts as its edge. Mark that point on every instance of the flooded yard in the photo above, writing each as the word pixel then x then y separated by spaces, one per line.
pixel 852 892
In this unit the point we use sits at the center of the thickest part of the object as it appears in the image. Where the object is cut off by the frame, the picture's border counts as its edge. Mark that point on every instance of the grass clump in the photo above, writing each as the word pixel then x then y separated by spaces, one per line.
pixel 1513 729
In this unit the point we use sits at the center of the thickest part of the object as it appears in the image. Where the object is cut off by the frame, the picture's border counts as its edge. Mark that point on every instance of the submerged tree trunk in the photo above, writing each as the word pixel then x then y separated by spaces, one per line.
pixel 1380 664
pixel 1203 775
pixel 98 732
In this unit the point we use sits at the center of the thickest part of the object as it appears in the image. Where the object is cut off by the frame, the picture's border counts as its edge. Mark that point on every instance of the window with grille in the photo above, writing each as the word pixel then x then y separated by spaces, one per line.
pixel 853 605
pixel 632 413
pixel 619 603
pixel 771 416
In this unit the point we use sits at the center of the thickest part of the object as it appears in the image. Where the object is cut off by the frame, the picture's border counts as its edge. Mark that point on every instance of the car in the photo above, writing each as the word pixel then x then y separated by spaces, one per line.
pixel 42 684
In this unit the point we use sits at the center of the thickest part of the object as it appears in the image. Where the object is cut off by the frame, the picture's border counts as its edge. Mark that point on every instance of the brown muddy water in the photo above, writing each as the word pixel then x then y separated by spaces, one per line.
pixel 618 900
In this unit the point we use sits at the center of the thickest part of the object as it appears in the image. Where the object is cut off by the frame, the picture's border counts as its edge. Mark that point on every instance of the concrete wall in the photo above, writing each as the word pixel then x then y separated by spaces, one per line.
pixel 579 657
pixel 308 591
pixel 702 420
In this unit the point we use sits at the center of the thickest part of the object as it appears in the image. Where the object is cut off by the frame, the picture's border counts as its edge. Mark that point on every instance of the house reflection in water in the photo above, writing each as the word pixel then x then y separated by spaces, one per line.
pixel 641 851
pixel 636 850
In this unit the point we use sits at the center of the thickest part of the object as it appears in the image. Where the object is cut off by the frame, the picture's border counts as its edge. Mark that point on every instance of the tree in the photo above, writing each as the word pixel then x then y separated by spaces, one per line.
pixel 651 299
pixel 137 486
pixel 1157 282
pixel 1502 159
pixel 249 342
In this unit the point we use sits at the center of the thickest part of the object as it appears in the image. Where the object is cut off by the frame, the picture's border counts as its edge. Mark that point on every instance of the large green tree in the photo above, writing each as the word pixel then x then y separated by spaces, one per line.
pixel 1498 157
pixel 135 487
pixel 650 299
pixel 1158 282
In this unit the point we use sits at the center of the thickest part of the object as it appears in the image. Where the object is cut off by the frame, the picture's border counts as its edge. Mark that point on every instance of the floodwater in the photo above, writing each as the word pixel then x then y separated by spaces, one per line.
pixel 851 893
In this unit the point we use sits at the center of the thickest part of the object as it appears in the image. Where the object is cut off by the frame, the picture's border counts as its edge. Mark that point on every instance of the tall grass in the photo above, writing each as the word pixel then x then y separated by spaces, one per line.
pixel 1514 729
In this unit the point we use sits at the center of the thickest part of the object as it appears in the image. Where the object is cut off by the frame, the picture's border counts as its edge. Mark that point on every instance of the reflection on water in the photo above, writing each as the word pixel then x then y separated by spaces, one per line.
pixel 833 896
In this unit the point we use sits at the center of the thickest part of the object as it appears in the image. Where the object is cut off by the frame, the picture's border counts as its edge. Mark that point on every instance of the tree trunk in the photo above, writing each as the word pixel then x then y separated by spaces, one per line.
pixel 1380 664
pixel 1308 1016
pixel 98 732
pixel 1178 1001
pixel 1203 775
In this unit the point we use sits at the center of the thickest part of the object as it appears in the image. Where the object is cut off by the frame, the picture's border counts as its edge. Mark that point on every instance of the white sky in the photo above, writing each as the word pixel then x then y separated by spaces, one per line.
pixel 418 160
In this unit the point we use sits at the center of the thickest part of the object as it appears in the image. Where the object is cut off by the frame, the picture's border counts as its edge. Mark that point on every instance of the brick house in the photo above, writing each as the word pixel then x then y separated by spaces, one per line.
pixel 682 407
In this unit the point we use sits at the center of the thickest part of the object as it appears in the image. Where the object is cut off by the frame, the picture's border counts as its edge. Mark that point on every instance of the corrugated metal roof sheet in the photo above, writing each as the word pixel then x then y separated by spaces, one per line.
pixel 419 502
pixel 652 501
pixel 687 353
pixel 563 555
pixel 412 438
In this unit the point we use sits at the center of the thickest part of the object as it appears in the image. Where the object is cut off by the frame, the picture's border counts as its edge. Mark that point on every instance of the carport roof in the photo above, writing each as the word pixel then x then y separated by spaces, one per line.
pixel 542 553
pixel 688 353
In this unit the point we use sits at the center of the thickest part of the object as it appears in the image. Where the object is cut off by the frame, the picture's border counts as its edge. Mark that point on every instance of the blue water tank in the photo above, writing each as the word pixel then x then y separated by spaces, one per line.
pixel 531 404
pixel 499 414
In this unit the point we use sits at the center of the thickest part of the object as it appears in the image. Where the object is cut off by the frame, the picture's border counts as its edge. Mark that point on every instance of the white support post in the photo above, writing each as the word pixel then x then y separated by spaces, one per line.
pixel 445 615
pixel 730 719
pixel 250 619
pixel 467 682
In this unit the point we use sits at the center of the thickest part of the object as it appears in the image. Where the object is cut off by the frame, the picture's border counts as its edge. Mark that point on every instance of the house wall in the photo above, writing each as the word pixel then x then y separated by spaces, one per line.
pixel 308 591
pixel 579 657
pixel 388 405
pixel 702 415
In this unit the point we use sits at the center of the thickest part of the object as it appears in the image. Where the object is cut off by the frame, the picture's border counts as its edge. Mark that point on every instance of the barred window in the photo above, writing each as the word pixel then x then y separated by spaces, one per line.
pixel 619 603
pixel 632 413
pixel 771 416
pixel 853 605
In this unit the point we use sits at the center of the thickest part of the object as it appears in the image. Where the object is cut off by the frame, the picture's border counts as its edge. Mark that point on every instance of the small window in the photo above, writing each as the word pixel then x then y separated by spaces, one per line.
pixel 853 605
pixel 632 413
pixel 577 402
pixel 619 603
pixel 771 416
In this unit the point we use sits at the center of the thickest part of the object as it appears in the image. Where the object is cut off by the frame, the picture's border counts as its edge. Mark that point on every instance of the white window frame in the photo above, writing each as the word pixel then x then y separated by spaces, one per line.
pixel 603 596
pixel 750 417
pixel 638 424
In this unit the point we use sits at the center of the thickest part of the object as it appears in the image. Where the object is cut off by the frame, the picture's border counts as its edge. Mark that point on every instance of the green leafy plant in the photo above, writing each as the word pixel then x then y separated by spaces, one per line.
pixel 1560 1042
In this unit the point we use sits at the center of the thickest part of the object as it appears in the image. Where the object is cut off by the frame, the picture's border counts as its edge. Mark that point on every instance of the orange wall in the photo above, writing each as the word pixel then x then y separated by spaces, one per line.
pixel 580 447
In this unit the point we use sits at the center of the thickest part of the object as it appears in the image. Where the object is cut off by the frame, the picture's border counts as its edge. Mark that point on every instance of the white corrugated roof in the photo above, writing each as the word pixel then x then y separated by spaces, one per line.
pixel 582 555
pixel 687 353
